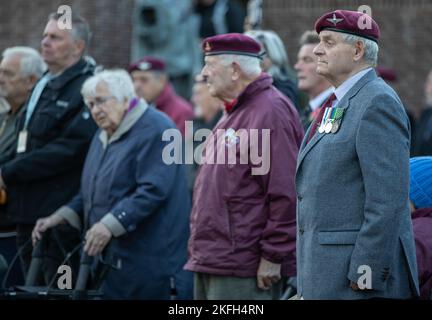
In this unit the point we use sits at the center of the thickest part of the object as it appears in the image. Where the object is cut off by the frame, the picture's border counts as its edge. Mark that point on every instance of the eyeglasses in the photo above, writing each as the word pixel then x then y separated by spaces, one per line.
pixel 99 101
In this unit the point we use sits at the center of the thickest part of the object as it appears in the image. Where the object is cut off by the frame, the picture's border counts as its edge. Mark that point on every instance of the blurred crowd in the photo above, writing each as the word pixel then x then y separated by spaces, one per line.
pixel 81 164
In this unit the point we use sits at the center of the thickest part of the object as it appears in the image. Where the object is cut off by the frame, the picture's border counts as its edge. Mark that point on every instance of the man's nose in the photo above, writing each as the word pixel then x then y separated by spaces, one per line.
pixel 318 50
pixel 204 72
pixel 45 41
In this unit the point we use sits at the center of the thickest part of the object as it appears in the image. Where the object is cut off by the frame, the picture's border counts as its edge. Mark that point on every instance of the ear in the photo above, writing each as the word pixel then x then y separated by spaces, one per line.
pixel 31 82
pixel 359 51
pixel 126 104
pixel 236 71
pixel 266 63
pixel 164 78
pixel 80 46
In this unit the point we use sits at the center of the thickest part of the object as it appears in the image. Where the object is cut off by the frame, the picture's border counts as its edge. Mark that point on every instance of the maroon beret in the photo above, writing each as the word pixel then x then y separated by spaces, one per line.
pixel 231 43
pixel 387 74
pixel 352 22
pixel 147 64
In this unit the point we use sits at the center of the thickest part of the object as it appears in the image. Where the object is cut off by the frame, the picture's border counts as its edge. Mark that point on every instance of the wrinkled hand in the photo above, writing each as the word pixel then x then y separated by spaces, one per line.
pixel 268 274
pixel 355 287
pixel 44 224
pixel 96 239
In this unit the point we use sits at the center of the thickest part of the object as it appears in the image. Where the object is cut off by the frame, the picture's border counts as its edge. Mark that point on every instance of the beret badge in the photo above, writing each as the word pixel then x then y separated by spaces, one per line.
pixel 207 47
pixel 334 20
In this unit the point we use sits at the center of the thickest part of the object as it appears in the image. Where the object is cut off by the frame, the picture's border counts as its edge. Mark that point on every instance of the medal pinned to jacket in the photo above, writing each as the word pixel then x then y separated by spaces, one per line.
pixel 331 120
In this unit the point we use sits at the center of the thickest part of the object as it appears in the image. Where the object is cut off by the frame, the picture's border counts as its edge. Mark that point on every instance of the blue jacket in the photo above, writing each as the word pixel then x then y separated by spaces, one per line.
pixel 126 179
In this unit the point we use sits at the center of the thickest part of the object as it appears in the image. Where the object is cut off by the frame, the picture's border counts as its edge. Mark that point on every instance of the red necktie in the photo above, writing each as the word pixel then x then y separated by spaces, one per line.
pixel 318 119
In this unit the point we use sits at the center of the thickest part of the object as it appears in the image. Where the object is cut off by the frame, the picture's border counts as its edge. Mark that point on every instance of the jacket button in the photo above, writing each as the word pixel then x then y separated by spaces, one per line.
pixel 300 198
pixel 301 231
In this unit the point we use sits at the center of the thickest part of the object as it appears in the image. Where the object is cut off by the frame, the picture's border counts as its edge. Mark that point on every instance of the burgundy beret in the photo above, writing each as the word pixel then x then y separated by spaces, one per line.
pixel 387 74
pixel 352 22
pixel 147 64
pixel 231 43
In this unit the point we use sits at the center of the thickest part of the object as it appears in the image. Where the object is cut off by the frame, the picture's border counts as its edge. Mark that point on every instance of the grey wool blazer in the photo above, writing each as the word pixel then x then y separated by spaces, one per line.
pixel 353 211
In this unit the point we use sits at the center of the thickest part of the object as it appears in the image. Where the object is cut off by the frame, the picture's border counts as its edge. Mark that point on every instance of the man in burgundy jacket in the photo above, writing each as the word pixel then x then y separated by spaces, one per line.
pixel 152 84
pixel 243 218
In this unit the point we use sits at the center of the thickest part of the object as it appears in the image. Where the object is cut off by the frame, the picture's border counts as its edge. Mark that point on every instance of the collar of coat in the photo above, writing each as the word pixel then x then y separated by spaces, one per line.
pixel 4 106
pixel 262 82
pixel 79 68
pixel 125 125
pixel 164 101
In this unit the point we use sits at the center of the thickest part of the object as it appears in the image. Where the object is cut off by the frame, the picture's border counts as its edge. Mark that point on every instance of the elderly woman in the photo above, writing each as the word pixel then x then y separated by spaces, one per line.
pixel 130 196
pixel 275 63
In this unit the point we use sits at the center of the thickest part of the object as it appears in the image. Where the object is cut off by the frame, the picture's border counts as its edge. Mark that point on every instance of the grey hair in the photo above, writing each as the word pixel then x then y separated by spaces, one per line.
pixel 275 50
pixel 250 65
pixel 309 37
pixel 118 82
pixel 31 62
pixel 370 47
pixel 80 28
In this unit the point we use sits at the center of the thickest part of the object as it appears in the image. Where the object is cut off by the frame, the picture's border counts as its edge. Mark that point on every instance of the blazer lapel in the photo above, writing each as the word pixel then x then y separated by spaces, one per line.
pixel 315 139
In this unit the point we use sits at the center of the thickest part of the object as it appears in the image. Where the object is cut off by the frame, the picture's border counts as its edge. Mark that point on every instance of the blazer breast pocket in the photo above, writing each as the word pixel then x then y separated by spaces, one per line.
pixel 337 139
pixel 348 237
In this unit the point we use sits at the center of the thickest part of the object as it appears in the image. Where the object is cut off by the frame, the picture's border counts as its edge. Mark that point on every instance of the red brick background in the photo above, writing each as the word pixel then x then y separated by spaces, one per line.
pixel 22 23
pixel 405 45
pixel 406 33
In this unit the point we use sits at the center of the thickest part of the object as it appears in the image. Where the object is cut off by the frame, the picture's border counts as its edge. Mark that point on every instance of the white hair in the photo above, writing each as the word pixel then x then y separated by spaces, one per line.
pixel 250 65
pixel 118 82
pixel 370 48
pixel 274 49
pixel 31 62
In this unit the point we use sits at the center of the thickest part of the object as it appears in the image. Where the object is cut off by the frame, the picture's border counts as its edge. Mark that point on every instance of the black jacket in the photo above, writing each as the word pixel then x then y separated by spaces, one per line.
pixel 421 137
pixel 47 175
pixel 6 154
pixel 289 88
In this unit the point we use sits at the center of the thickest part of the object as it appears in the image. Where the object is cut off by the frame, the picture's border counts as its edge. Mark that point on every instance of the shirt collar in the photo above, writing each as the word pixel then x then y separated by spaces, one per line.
pixel 4 106
pixel 343 89
pixel 316 102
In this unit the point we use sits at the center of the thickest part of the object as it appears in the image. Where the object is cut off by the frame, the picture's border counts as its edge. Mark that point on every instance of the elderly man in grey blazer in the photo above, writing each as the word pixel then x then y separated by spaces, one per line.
pixel 354 230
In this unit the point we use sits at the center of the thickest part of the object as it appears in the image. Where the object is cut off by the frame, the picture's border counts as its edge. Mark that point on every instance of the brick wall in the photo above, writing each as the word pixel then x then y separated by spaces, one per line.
pixel 405 24
pixel 22 23
pixel 405 45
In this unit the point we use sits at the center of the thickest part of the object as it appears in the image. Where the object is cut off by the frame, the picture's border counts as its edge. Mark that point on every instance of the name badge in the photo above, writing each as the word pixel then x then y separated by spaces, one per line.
pixel 61 103
pixel 22 141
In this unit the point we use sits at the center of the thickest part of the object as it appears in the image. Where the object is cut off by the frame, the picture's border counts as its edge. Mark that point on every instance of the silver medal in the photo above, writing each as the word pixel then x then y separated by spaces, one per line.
pixel 335 127
pixel 328 127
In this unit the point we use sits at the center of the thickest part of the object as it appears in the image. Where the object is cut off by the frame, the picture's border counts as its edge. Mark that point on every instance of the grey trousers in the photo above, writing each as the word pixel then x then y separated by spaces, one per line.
pixel 214 287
